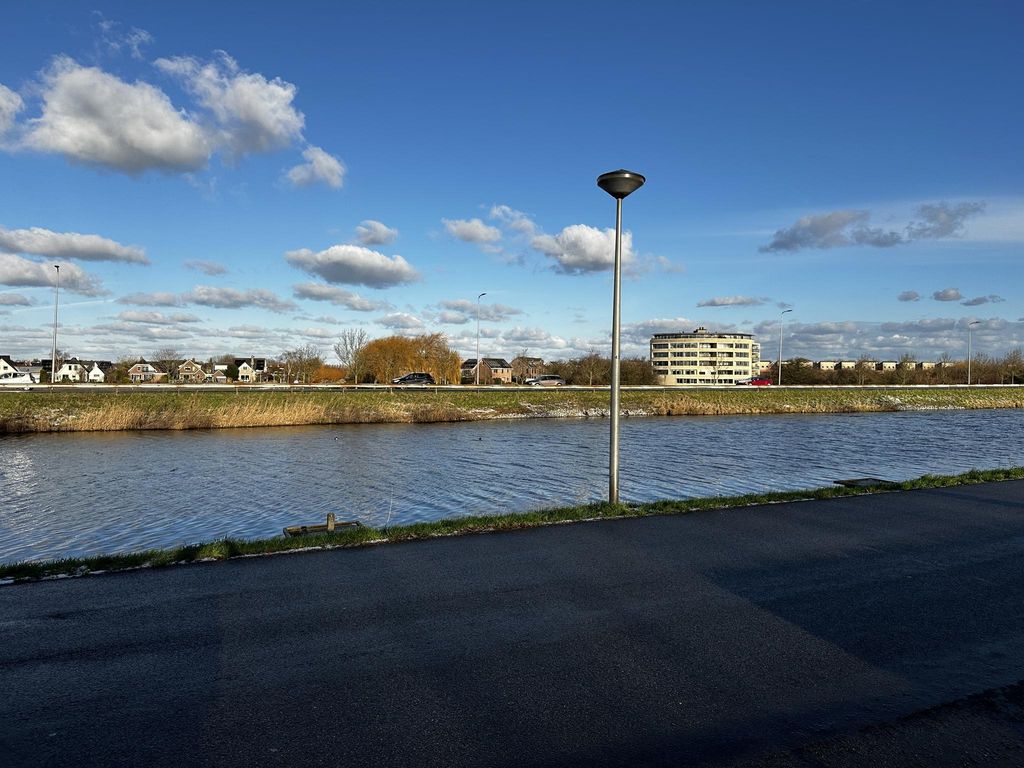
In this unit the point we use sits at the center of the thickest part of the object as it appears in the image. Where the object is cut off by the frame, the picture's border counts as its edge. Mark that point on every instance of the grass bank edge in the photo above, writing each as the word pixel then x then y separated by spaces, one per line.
pixel 226 549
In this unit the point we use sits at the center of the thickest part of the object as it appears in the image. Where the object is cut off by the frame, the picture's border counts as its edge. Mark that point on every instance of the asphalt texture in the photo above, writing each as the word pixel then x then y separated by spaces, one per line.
pixel 872 630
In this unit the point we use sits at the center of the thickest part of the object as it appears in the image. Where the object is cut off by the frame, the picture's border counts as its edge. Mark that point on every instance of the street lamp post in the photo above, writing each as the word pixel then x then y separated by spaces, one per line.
pixel 782 318
pixel 53 357
pixel 970 329
pixel 618 184
pixel 478 337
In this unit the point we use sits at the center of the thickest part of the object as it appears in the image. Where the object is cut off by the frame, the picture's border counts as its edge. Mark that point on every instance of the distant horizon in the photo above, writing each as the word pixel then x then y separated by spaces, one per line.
pixel 214 182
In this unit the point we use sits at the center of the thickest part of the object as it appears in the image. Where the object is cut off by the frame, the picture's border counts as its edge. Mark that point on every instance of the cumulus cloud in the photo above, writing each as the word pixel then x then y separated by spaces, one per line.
pixel 10 105
pixel 928 325
pixel 231 298
pixel 942 220
pixel 468 309
pixel 68 245
pixel 513 219
pixel 156 318
pixel 830 230
pixel 253 114
pixel 732 301
pixel 371 232
pixel 211 268
pixel 400 321
pixel 157 299
pixel 579 249
pixel 354 265
pixel 320 168
pixel 909 296
pixel 849 227
pixel 18 271
pixel 947 294
pixel 337 296
pixel 92 117
pixel 978 300
pixel 14 300
pixel 471 230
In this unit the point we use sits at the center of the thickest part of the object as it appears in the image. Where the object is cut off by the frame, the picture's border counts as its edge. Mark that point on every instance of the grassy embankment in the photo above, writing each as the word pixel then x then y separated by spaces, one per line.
pixel 71 411
pixel 361 536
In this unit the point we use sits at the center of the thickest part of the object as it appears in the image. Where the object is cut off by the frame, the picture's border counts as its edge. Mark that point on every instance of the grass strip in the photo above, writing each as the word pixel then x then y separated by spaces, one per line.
pixel 225 549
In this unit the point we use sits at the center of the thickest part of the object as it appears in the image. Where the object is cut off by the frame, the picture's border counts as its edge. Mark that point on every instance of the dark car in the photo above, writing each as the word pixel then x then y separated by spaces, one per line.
pixel 414 378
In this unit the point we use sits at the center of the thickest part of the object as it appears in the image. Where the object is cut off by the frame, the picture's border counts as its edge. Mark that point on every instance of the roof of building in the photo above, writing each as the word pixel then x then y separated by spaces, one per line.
pixel 702 332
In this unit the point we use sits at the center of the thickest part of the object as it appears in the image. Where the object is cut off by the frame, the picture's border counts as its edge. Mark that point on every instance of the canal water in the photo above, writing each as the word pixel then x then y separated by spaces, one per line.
pixel 79 494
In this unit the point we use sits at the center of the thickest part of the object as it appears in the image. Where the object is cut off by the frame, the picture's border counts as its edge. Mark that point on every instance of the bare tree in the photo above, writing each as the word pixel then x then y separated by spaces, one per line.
pixel 167 360
pixel 347 348
pixel 301 362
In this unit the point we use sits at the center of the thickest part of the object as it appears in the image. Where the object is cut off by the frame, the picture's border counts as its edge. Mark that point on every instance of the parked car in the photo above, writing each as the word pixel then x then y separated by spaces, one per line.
pixel 414 378
pixel 760 382
pixel 17 378
pixel 548 380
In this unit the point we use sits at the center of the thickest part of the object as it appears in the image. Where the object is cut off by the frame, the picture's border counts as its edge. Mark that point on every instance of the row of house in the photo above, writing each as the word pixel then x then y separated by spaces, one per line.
pixel 871 365
pixel 74 370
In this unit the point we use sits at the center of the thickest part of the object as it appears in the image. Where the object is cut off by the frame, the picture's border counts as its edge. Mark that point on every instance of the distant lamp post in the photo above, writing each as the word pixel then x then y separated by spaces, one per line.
pixel 970 330
pixel 53 357
pixel 478 337
pixel 618 184
pixel 782 318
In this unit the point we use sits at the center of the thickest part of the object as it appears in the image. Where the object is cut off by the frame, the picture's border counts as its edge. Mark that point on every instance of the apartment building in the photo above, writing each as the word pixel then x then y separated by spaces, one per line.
pixel 703 357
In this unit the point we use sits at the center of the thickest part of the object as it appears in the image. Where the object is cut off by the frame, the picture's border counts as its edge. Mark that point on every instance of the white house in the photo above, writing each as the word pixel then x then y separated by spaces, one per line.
pixel 96 374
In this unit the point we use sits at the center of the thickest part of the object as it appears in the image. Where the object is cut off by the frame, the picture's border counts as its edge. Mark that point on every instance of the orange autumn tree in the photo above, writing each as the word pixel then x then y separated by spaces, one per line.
pixel 393 356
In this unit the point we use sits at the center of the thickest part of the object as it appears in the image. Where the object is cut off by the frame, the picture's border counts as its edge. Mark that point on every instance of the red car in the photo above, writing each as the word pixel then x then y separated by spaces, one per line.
pixel 760 382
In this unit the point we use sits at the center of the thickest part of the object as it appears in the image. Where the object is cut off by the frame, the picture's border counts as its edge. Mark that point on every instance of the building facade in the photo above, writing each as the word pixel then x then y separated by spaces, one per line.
pixel 703 358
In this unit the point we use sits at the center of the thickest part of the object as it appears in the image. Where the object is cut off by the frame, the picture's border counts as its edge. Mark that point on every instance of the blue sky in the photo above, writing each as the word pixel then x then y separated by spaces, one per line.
pixel 253 178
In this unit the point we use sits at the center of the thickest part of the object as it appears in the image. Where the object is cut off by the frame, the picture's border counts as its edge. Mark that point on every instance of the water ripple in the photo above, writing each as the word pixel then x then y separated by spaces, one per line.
pixel 91 493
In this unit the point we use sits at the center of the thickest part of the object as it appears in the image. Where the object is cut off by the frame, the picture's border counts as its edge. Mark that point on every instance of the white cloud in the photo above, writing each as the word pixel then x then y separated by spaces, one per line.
pixel 68 245
pixel 979 300
pixel 371 232
pixel 157 299
pixel 471 230
pixel 92 117
pixel 10 105
pixel 469 309
pixel 231 298
pixel 909 296
pixel 156 318
pixel 211 268
pixel 732 301
pixel 254 114
pixel 320 167
pixel 14 300
pixel 15 270
pixel 113 39
pixel 579 249
pixel 337 296
pixel 400 321
pixel 354 265
pixel 513 219
pixel 947 294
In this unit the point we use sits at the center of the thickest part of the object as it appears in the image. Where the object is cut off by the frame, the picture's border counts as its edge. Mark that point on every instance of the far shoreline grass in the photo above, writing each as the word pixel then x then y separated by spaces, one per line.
pixel 74 410
pixel 361 536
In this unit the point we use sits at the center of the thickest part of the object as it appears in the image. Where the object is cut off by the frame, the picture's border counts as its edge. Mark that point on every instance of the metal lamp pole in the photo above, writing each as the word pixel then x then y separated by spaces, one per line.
pixel 782 318
pixel 970 329
pixel 618 184
pixel 53 357
pixel 478 337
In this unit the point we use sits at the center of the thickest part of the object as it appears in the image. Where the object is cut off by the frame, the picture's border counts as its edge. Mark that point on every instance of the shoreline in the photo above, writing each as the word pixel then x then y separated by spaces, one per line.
pixel 85 411
pixel 361 536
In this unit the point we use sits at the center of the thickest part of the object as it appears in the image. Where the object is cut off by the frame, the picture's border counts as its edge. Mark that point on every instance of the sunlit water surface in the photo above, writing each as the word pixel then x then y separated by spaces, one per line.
pixel 92 493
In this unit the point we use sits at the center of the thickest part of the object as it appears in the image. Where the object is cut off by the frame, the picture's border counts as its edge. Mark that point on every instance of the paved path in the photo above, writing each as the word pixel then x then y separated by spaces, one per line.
pixel 850 632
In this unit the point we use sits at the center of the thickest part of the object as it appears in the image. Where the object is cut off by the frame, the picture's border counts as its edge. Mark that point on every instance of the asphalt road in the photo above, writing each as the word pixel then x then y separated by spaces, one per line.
pixel 876 630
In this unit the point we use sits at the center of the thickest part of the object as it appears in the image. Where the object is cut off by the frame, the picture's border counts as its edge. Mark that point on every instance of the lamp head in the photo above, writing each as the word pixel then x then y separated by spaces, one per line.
pixel 620 183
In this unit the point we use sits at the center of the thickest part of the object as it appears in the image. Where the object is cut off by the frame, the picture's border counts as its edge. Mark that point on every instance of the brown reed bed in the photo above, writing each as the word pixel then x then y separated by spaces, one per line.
pixel 71 410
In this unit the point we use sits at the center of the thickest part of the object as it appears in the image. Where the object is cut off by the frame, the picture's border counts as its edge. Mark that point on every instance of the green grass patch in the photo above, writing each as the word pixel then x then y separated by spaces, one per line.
pixel 225 549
